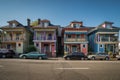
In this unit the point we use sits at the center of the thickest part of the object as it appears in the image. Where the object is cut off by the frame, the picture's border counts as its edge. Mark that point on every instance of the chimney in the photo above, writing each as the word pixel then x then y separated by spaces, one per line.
pixel 39 21
pixel 81 24
pixel 28 22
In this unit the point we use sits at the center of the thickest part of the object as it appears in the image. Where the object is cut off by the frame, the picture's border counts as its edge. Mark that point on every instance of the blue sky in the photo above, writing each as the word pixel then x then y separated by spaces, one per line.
pixel 61 12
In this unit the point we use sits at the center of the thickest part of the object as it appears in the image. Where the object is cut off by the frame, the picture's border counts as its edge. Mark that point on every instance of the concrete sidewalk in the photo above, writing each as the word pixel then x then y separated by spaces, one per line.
pixel 55 58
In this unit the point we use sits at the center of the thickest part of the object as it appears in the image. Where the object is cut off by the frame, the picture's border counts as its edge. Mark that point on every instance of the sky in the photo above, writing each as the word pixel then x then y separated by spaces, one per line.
pixel 61 12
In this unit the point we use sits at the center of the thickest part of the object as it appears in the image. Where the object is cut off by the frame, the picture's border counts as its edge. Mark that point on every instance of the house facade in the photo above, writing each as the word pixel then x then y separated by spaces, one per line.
pixel 15 36
pixel 104 38
pixel 75 38
pixel 45 37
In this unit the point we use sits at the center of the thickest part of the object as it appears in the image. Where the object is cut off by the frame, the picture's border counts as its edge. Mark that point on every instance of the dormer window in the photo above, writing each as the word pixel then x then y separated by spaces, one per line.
pixel 76 25
pixel 107 25
pixel 13 25
pixel 46 24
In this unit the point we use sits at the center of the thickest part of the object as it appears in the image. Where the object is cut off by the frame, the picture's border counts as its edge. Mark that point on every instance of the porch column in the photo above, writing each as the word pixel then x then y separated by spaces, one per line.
pixel 81 46
pixel 64 47
pixel 50 47
pixel 36 35
pixel 40 47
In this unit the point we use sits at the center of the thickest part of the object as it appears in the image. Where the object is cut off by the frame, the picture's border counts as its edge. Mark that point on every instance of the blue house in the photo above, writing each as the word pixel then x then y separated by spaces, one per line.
pixel 104 38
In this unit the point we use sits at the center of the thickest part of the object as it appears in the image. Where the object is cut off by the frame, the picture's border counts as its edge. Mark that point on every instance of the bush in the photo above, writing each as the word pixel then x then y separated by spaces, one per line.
pixel 31 48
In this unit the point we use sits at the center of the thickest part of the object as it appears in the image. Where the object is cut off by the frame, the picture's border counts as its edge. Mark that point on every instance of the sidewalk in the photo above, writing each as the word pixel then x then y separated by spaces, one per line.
pixel 55 58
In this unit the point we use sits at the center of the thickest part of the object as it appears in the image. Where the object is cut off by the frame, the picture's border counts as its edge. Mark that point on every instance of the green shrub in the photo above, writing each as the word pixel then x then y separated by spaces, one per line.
pixel 31 48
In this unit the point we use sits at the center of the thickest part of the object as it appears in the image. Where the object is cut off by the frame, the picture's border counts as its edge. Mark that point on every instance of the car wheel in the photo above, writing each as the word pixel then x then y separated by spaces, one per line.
pixel 82 58
pixel 93 58
pixel 118 59
pixel 40 58
pixel 106 58
pixel 24 57
pixel 68 58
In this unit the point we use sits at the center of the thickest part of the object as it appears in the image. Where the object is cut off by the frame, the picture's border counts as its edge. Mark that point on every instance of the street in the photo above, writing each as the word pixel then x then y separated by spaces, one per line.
pixel 28 69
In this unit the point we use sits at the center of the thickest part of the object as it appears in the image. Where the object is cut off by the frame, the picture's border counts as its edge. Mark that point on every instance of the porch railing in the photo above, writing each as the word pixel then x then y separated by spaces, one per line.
pixel 75 40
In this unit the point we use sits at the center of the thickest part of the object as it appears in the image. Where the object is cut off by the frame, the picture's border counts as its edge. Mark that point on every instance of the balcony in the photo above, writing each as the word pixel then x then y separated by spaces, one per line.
pixel 38 39
pixel 108 40
pixel 12 40
pixel 75 40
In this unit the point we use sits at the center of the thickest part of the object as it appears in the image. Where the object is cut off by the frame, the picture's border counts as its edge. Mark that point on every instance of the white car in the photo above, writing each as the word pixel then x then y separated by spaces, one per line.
pixel 103 56
pixel 118 57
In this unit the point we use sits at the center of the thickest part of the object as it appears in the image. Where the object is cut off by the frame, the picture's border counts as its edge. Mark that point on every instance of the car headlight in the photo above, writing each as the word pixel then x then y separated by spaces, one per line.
pixel 64 56
pixel 20 56
pixel 89 56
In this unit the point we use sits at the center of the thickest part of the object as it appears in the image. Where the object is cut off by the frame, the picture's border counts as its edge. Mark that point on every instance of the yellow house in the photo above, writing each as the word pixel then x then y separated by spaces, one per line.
pixel 14 36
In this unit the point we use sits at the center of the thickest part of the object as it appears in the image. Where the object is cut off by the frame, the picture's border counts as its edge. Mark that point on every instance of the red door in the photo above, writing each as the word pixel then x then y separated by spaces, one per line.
pixel 53 50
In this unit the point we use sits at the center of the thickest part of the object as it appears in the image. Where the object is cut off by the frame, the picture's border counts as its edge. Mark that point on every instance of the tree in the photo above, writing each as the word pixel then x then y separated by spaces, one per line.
pixel 31 48
pixel 34 23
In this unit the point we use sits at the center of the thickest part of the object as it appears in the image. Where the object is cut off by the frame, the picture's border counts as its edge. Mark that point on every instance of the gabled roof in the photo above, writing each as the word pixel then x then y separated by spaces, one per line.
pixel 102 29
pixel 15 21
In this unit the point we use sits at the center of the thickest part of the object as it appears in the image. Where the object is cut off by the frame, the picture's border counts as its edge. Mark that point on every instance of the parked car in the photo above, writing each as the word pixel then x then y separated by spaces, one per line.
pixel 118 57
pixel 102 56
pixel 33 55
pixel 75 55
pixel 6 53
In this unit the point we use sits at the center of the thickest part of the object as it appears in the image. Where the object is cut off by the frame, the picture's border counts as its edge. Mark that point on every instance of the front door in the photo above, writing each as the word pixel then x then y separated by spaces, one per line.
pixel 46 48
pixel 74 48
pixel 53 50
pixel 112 48
pixel 8 46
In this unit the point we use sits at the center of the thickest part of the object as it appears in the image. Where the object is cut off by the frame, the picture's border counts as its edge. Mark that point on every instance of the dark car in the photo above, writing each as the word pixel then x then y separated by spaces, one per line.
pixel 75 55
pixel 6 53
pixel 33 55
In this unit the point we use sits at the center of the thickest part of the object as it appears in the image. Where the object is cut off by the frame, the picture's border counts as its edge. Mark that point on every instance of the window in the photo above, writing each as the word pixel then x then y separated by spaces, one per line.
pixel 13 25
pixel 46 24
pixel 78 36
pixel 82 35
pixel 37 44
pixel 69 36
pixel 101 45
pixel 19 44
pixel 49 36
pixel 76 25
pixel 17 36
pixel 83 45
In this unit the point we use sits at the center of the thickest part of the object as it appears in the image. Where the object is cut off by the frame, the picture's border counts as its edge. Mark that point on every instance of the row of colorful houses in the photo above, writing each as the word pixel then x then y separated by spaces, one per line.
pixel 54 40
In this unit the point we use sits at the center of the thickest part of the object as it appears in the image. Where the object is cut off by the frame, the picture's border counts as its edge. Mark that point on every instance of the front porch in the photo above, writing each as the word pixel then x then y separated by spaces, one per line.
pixel 48 48
pixel 17 47
pixel 69 48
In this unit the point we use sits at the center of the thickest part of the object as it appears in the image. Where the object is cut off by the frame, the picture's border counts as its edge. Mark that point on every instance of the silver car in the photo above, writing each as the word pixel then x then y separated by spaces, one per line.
pixel 103 56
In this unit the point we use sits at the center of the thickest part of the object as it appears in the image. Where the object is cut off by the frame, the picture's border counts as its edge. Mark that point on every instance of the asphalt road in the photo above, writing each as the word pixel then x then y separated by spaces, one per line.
pixel 26 69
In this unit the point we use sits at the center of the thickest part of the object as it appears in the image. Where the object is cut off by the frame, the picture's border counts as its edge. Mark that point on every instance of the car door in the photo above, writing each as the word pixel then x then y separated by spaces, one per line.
pixel 103 55
pixel 77 55
pixel 34 55
pixel 99 56
pixel 29 55
pixel 73 56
